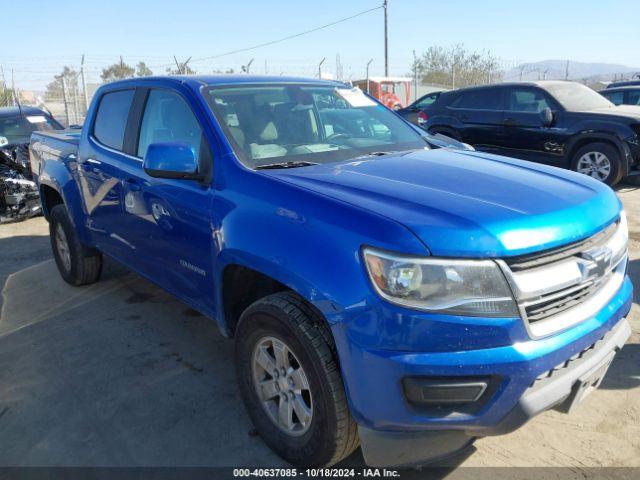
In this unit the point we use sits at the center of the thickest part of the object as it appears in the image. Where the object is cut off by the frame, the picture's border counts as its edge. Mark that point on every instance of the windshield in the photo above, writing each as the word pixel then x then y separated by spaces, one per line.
pixel 317 124
pixel 19 127
pixel 576 97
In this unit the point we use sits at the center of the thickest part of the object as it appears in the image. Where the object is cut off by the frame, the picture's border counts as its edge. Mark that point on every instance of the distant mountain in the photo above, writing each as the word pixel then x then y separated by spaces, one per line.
pixel 556 69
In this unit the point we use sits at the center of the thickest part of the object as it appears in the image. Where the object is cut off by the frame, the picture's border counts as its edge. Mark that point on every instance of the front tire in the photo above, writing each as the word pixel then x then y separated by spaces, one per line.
pixel 600 161
pixel 290 381
pixel 77 264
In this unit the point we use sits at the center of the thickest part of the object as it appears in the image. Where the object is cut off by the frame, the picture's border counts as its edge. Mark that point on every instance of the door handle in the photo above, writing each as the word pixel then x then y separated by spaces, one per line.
pixel 509 121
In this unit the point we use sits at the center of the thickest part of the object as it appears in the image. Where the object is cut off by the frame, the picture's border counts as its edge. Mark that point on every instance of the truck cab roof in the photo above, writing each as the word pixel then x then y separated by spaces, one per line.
pixel 197 81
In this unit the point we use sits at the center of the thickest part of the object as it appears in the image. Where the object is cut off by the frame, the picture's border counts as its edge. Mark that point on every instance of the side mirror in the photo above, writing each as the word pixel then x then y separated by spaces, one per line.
pixel 171 160
pixel 546 116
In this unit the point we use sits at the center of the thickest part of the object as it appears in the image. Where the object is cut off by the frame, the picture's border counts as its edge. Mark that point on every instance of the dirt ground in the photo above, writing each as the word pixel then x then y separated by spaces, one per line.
pixel 122 374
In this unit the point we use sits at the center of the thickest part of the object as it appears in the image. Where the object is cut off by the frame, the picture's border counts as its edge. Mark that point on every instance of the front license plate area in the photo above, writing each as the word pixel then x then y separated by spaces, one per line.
pixel 588 383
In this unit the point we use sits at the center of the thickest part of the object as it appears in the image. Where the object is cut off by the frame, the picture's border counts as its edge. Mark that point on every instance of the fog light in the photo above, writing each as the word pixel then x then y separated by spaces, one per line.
pixel 444 390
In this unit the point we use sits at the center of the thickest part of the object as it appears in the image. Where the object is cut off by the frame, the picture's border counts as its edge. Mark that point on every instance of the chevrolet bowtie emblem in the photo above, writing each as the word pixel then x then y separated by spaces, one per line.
pixel 595 263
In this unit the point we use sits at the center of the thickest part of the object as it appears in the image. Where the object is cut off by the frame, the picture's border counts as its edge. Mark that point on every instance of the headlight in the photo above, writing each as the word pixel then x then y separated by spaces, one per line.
pixel 455 287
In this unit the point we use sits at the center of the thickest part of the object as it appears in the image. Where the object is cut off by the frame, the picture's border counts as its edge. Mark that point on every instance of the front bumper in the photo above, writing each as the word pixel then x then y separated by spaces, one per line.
pixel 396 433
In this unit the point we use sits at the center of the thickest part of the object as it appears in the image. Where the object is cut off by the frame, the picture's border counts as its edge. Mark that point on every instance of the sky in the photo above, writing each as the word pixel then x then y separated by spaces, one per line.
pixel 39 37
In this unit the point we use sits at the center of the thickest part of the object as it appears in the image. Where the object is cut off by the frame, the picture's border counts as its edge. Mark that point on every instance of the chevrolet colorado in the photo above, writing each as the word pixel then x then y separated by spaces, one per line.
pixel 380 292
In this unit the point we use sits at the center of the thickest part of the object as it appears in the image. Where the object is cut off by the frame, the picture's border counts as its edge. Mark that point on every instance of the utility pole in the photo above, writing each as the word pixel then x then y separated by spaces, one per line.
pixel 415 77
pixel 84 86
pixel 386 41
pixel 368 63
pixel 522 67
pixel 13 86
pixel 64 99
pixel 566 71
pixel 320 67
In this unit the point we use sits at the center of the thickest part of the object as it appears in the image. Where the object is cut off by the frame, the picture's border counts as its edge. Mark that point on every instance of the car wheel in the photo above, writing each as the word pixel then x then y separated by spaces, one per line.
pixel 600 161
pixel 77 264
pixel 290 381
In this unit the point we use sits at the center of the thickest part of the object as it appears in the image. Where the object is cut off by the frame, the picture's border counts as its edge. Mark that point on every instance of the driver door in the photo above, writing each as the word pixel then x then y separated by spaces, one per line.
pixel 525 135
pixel 172 217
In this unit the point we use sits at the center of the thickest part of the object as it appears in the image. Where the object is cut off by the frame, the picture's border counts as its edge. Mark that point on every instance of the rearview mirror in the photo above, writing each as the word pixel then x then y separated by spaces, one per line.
pixel 546 116
pixel 171 160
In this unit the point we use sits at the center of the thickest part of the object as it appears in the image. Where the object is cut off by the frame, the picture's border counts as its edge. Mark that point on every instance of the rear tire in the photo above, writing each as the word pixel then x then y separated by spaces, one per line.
pixel 77 264
pixel 329 433
pixel 600 161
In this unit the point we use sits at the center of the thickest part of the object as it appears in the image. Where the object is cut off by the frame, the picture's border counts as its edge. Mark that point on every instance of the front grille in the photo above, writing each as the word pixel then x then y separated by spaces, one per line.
pixel 559 302
pixel 560 287
pixel 546 257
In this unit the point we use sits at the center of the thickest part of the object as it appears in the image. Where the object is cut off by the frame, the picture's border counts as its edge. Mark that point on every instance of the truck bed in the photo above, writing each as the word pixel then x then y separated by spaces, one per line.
pixel 51 146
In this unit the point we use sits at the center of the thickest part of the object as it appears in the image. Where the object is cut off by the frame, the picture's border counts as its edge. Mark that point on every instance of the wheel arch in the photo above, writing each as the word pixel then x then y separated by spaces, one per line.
pixel 49 197
pixel 584 140
pixel 241 285
pixel 446 130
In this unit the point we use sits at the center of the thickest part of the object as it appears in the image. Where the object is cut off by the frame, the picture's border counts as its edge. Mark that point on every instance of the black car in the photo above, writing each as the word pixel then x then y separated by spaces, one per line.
pixel 622 95
pixel 624 83
pixel 16 125
pixel 413 114
pixel 564 124
pixel 19 197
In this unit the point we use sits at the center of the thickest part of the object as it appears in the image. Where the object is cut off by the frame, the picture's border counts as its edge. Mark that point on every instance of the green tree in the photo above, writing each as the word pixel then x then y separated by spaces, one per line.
pixel 142 70
pixel 457 67
pixel 54 88
pixel 117 71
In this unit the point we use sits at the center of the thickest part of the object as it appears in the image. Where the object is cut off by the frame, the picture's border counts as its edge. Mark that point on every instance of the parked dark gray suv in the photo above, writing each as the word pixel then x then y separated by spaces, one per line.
pixel 564 124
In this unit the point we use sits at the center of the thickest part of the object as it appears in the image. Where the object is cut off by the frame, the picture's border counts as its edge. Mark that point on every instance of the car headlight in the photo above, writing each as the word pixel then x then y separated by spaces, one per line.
pixel 441 285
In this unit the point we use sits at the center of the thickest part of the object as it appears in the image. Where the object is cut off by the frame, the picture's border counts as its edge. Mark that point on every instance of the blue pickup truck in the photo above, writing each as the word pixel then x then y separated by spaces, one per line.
pixel 380 292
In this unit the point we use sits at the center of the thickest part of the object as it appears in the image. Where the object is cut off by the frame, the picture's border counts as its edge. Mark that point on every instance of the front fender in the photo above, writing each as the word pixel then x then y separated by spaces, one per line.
pixel 309 242
pixel 586 135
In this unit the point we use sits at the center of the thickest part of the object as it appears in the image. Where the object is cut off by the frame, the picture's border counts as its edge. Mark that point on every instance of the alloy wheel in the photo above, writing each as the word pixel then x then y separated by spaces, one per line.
pixel 594 164
pixel 282 386
pixel 62 246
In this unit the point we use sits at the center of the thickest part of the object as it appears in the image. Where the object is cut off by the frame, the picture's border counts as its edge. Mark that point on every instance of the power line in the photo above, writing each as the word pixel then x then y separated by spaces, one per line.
pixel 272 42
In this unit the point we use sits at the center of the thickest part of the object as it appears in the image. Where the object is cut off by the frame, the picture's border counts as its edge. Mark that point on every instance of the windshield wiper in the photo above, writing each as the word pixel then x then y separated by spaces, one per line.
pixel 285 165
pixel 373 154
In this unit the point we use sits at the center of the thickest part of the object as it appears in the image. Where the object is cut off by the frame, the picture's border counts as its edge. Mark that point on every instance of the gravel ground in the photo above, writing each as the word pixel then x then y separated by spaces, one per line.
pixel 121 374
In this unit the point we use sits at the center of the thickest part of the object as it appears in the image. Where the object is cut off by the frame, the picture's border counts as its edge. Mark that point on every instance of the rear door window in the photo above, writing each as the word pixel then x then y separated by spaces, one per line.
pixel 426 101
pixel 481 99
pixel 617 98
pixel 111 118
pixel 526 100
pixel 633 98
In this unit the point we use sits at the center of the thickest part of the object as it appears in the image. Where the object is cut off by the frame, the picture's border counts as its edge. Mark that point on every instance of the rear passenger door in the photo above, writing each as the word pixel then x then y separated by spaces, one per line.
pixel 169 220
pixel 100 162
pixel 479 117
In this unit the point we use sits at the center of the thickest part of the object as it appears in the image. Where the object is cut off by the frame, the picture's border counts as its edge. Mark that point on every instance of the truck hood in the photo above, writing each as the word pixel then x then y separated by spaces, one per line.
pixel 468 204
